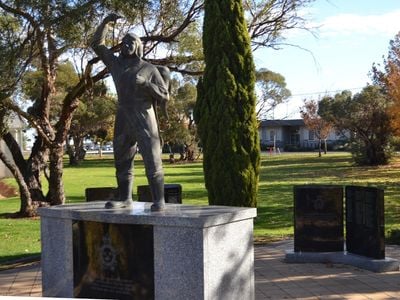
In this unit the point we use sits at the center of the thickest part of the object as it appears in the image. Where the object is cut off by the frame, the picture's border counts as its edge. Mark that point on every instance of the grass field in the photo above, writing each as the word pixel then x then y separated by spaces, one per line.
pixel 279 173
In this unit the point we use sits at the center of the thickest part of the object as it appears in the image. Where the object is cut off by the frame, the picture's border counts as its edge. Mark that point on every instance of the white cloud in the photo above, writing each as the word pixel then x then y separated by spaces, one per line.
pixel 349 24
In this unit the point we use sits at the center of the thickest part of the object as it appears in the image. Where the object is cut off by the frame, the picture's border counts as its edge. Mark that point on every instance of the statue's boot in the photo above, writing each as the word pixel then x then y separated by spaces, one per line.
pixel 119 204
pixel 157 191
pixel 125 196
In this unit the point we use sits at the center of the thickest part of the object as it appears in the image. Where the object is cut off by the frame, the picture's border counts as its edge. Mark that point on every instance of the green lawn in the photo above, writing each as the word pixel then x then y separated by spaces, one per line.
pixel 19 237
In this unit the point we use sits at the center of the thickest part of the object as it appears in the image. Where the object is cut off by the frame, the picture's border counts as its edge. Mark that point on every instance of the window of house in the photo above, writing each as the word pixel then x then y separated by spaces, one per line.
pixel 264 134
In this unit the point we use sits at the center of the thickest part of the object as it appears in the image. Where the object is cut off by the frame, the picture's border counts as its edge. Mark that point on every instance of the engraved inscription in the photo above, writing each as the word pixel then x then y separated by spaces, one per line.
pixel 365 221
pixel 318 218
pixel 113 261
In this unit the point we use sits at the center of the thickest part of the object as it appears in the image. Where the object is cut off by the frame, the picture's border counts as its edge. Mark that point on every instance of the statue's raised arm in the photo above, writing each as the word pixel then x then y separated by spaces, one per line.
pixel 97 43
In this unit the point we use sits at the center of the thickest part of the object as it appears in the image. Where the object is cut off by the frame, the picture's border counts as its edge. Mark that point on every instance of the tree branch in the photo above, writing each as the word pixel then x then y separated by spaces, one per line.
pixel 20 13
pixel 31 120
pixel 192 12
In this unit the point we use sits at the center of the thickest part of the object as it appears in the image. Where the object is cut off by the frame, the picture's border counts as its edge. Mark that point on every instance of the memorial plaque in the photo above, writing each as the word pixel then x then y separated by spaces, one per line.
pixel 365 224
pixel 172 193
pixel 113 261
pixel 318 218
pixel 101 194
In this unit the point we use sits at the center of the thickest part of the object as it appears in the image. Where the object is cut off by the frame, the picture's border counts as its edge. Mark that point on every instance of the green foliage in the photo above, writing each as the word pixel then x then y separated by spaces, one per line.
pixel 96 111
pixel 225 109
pixel 10 54
pixel 273 91
pixel 179 129
pixel 66 79
pixel 365 117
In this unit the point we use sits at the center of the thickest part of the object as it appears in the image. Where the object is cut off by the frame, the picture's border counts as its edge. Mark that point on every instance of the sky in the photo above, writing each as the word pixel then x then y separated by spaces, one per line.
pixel 351 36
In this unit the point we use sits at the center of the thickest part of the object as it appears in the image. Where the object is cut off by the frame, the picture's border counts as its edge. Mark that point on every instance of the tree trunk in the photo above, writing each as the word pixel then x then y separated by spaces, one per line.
pixel 76 152
pixel 31 168
pixel 319 148
pixel 79 152
pixel 35 165
pixel 325 147
pixel 56 195
pixel 27 209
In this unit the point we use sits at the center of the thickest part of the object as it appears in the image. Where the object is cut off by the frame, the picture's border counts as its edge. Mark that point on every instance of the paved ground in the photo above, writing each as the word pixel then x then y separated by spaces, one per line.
pixel 274 278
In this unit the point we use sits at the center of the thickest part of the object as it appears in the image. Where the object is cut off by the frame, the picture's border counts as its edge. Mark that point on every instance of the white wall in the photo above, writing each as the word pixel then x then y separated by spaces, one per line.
pixel 16 130
pixel 4 172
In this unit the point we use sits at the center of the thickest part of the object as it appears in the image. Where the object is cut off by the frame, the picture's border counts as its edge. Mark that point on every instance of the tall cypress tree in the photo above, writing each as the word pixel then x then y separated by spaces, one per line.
pixel 225 108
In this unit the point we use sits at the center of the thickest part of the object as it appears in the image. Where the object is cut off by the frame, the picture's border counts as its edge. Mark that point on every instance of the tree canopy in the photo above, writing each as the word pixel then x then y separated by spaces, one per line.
pixel 365 117
pixel 273 91
pixel 389 80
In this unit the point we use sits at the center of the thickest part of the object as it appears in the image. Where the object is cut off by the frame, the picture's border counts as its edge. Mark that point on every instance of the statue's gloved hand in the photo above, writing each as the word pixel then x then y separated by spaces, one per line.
pixel 140 80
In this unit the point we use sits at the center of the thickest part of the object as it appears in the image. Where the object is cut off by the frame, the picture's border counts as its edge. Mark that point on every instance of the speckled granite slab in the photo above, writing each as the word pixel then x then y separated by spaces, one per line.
pixel 200 252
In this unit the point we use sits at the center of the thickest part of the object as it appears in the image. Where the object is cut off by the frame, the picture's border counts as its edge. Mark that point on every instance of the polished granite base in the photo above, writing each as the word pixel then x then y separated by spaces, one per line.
pixel 198 252
pixel 342 257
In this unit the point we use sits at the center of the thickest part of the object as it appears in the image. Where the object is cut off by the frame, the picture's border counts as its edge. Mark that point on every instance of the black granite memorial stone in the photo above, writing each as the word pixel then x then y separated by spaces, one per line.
pixel 318 218
pixel 101 194
pixel 172 193
pixel 113 261
pixel 365 225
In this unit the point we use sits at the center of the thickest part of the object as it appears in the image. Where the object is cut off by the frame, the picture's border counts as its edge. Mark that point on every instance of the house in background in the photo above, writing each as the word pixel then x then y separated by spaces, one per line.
pixel 293 135
pixel 16 127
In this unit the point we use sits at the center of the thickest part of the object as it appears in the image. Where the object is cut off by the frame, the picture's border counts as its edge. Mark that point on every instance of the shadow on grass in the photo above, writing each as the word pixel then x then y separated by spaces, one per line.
pixel 16 215
pixel 274 217
pixel 10 261
pixel 92 163
pixel 299 159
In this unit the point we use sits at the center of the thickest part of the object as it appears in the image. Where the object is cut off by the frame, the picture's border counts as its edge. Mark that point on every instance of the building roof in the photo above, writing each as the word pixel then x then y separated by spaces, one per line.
pixel 279 123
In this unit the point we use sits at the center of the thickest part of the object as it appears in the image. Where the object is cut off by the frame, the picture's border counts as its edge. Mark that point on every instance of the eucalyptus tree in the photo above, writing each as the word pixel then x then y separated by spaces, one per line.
pixel 272 92
pixel 365 116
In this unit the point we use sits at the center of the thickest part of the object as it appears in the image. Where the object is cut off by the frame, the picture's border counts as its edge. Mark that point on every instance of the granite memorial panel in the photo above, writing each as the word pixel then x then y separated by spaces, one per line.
pixel 101 194
pixel 172 193
pixel 113 261
pixel 318 218
pixel 365 225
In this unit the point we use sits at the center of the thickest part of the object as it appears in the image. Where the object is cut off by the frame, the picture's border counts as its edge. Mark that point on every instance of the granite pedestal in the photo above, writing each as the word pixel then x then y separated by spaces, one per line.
pixel 187 252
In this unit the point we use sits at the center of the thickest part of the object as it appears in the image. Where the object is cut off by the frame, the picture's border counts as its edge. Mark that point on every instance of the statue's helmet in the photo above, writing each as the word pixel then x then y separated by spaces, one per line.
pixel 131 45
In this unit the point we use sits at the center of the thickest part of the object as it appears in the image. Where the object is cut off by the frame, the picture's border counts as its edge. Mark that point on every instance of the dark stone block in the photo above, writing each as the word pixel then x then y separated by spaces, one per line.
pixel 172 193
pixel 101 194
pixel 365 224
pixel 318 218
pixel 113 261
